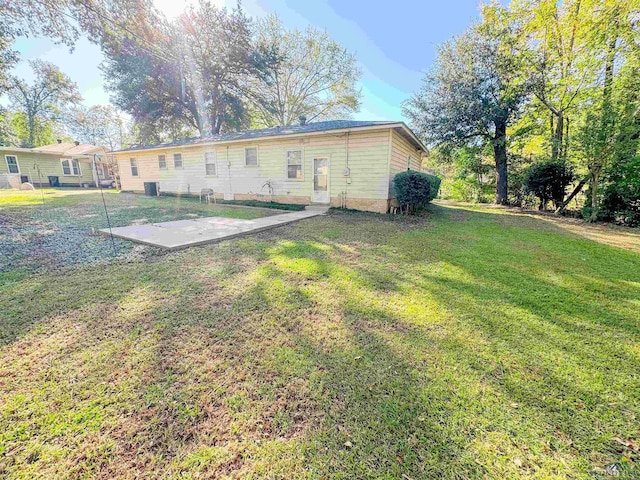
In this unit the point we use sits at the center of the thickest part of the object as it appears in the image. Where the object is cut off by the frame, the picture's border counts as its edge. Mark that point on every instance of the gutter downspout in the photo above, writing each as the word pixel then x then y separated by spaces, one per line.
pixel 94 171
pixel 229 169
pixel 348 176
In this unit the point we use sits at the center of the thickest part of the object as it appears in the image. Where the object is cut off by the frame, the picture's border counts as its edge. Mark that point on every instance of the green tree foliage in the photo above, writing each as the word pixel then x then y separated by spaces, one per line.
pixel 316 77
pixel 59 20
pixel 473 173
pixel 22 17
pixel 41 130
pixel 7 130
pixel 621 195
pixel 549 181
pixel 188 75
pixel 97 125
pixel 475 90
pixel 581 61
pixel 42 101
pixel 558 62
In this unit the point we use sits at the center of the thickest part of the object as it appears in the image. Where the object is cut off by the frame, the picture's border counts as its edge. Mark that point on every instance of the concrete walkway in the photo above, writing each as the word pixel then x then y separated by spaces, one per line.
pixel 188 233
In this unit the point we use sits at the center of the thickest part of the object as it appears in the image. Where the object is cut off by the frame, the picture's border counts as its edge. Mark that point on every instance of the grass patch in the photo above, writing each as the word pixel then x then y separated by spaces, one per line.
pixel 462 344
pixel 245 203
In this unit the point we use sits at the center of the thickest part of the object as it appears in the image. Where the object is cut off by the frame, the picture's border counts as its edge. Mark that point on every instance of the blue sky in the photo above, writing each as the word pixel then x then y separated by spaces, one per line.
pixel 395 42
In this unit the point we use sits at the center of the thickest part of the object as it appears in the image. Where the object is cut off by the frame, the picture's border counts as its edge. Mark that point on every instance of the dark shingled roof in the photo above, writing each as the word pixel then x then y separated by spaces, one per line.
pixel 267 132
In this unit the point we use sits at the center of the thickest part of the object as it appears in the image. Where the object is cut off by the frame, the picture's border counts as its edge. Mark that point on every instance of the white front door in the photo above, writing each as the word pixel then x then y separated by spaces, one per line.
pixel 320 180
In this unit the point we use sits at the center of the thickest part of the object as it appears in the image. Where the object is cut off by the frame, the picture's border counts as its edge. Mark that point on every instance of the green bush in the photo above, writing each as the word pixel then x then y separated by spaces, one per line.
pixel 549 181
pixel 434 186
pixel 621 196
pixel 415 189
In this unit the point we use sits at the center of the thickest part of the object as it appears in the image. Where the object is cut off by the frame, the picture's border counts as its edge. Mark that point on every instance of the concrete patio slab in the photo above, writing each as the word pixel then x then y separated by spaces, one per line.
pixel 189 233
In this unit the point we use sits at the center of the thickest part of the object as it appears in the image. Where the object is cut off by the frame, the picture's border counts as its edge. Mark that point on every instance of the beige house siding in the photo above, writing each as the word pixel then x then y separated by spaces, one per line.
pixel 48 165
pixel 403 156
pixel 366 188
pixel 148 170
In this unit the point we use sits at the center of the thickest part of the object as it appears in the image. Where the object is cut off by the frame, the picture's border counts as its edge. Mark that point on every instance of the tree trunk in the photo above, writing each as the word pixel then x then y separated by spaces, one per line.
pixel 32 126
pixel 595 180
pixel 565 150
pixel 575 192
pixel 500 156
pixel 557 140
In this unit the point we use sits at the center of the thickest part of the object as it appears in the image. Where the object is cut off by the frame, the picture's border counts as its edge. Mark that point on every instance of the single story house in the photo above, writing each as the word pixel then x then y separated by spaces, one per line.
pixel 62 164
pixel 340 163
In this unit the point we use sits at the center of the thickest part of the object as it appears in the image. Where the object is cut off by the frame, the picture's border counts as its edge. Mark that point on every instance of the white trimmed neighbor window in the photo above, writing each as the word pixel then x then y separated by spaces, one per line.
pixel 162 162
pixel 177 161
pixel 210 164
pixel 251 157
pixel 12 164
pixel 134 167
pixel 71 167
pixel 294 164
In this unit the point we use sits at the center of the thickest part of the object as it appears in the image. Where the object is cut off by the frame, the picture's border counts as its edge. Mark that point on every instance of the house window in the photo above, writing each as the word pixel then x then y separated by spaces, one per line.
pixel 409 160
pixel 12 163
pixel 251 157
pixel 162 162
pixel 294 164
pixel 134 167
pixel 71 167
pixel 177 161
pixel 210 163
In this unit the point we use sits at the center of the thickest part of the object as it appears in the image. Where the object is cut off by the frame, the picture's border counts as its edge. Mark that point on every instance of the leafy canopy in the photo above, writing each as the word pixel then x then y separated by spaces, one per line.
pixel 44 99
pixel 316 77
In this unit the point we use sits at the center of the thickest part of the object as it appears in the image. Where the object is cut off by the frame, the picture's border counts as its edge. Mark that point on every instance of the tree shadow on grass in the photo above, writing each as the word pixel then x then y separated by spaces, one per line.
pixel 301 356
pixel 508 304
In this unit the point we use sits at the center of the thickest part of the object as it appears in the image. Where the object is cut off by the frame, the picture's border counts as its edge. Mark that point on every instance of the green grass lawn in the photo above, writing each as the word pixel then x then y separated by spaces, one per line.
pixel 464 344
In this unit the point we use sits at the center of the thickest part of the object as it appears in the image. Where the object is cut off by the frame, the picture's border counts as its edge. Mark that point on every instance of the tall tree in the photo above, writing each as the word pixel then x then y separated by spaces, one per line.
pixel 612 44
pixel 98 125
pixel 43 100
pixel 558 60
pixel 475 91
pixel 316 77
pixel 221 63
pixel 192 74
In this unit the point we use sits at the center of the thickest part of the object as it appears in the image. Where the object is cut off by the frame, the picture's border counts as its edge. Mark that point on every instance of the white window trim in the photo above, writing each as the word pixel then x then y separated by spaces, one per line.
pixel 79 167
pixel 166 166
pixel 286 164
pixel 131 169
pixel 215 163
pixel 173 157
pixel 257 156
pixel 71 174
pixel 6 159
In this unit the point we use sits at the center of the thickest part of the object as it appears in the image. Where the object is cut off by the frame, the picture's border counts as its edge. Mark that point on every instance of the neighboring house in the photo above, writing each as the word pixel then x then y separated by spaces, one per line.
pixel 341 163
pixel 67 164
